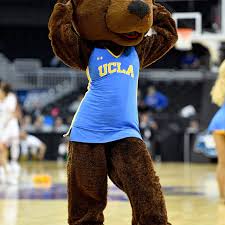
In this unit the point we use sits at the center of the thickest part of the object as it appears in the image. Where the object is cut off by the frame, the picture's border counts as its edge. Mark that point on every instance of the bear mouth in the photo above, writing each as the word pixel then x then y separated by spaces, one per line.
pixel 131 35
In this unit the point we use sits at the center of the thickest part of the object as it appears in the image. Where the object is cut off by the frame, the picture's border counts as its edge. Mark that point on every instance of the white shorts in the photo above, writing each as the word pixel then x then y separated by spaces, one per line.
pixel 10 134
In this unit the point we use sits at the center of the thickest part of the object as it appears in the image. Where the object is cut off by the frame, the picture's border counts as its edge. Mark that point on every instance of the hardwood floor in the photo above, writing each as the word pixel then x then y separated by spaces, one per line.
pixel 190 190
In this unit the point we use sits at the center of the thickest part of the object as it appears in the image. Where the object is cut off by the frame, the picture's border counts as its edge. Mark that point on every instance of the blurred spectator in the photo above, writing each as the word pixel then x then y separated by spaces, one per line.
pixel 55 111
pixel 75 105
pixel 142 107
pixel 48 120
pixel 26 123
pixel 190 61
pixel 32 146
pixel 62 150
pixel 69 119
pixel 40 126
pixel 37 109
pixel 59 126
pixel 193 126
pixel 147 127
pixel 156 99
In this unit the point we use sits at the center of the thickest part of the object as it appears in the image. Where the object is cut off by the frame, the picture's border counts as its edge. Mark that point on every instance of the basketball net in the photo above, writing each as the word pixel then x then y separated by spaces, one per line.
pixel 184 39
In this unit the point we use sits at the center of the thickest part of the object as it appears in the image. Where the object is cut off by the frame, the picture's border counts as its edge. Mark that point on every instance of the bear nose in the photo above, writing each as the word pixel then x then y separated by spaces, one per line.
pixel 138 8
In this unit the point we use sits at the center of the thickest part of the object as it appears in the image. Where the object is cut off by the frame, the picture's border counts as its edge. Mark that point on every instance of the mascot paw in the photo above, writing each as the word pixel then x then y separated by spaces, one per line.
pixel 160 13
pixel 61 13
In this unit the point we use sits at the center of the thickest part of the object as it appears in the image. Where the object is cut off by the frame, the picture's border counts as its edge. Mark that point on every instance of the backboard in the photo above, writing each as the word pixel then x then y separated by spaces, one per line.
pixel 194 20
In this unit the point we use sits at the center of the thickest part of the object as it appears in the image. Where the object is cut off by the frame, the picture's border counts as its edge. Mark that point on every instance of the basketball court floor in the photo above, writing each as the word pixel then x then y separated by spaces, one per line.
pixel 190 190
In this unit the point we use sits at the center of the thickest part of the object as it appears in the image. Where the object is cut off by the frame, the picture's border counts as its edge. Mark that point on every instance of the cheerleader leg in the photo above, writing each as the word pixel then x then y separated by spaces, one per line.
pixel 220 146
pixel 15 150
pixel 3 154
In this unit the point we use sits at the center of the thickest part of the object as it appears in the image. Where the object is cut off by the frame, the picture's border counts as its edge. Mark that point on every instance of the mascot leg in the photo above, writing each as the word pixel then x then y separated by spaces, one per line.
pixel 220 146
pixel 87 183
pixel 130 167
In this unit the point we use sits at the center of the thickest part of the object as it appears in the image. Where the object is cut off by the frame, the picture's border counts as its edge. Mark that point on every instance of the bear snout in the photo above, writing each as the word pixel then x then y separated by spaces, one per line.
pixel 139 8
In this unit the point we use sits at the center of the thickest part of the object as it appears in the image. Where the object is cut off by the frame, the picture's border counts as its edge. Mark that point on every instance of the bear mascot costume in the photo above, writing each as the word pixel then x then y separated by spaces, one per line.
pixel 111 40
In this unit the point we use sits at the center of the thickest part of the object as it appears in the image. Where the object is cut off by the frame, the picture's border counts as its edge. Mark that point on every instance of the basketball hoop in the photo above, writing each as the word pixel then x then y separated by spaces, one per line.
pixel 184 39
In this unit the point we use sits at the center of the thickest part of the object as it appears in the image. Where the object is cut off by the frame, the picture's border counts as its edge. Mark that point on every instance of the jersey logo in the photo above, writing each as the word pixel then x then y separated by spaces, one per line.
pixel 115 67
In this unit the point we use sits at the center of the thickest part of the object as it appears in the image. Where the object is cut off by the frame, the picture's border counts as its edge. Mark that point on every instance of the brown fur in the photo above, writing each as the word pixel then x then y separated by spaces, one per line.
pixel 129 165
pixel 75 28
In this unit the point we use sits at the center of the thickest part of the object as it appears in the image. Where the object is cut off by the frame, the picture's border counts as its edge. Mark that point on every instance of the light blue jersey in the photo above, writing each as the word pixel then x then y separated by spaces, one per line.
pixel 109 111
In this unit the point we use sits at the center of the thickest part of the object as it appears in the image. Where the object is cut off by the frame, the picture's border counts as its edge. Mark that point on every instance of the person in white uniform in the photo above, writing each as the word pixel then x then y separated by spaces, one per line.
pixel 9 130
pixel 32 145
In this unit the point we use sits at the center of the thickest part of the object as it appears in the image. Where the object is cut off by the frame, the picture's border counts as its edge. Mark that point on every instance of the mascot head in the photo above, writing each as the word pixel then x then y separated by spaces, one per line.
pixel 123 22
pixel 78 26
